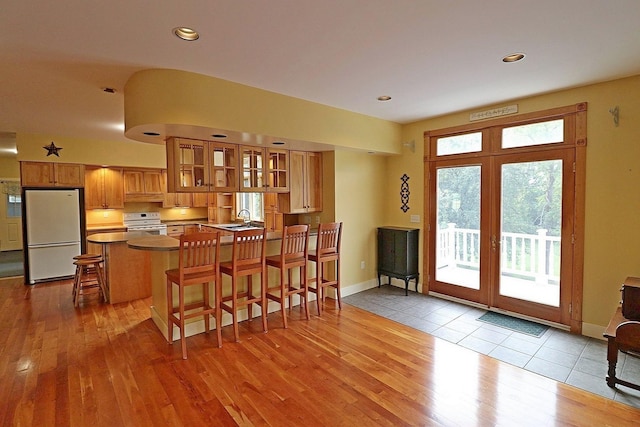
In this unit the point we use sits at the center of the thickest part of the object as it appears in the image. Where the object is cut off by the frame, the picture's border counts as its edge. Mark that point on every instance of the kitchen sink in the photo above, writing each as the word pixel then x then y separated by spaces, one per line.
pixel 234 227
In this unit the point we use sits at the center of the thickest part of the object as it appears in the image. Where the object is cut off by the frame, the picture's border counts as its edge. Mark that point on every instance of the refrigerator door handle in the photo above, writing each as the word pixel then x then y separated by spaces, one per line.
pixel 51 245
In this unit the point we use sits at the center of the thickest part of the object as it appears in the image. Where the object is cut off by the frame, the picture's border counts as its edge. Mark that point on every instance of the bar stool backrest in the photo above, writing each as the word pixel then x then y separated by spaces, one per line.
pixel 199 254
pixel 329 236
pixel 249 247
pixel 294 242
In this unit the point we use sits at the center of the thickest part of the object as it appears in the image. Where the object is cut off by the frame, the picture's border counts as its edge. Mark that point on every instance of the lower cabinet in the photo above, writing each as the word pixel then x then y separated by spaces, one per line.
pixel 398 254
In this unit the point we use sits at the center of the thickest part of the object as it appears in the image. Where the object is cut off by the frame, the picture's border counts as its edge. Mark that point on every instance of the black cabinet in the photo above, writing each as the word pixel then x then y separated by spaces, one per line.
pixel 398 254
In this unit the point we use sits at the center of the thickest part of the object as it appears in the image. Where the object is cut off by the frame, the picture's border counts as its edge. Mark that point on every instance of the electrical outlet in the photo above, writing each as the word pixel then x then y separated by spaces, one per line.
pixel 361 265
pixel 183 211
pixel 105 214
pixel 317 219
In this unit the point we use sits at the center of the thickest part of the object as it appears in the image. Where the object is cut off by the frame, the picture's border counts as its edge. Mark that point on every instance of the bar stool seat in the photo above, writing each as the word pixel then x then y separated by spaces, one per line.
pixel 294 252
pixel 327 250
pixel 199 261
pixel 89 277
pixel 247 259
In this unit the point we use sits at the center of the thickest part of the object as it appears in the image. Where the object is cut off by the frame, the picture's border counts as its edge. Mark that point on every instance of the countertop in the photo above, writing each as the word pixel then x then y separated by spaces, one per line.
pixel 119 237
pixel 166 243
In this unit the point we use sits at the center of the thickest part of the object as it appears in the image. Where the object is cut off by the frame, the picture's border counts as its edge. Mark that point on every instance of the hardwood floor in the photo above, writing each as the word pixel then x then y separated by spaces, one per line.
pixel 108 365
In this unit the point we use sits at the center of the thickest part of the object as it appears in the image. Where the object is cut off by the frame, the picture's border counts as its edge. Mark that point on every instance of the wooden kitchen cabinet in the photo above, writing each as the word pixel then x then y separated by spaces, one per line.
pixel 264 170
pixel 104 188
pixel 223 166
pixel 201 166
pixel 174 200
pixel 200 200
pixel 273 218
pixel 252 167
pixel 305 184
pixel 143 185
pixel 49 174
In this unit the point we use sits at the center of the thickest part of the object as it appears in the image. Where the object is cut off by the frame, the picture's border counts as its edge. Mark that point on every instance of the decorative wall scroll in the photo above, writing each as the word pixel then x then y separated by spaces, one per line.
pixel 404 193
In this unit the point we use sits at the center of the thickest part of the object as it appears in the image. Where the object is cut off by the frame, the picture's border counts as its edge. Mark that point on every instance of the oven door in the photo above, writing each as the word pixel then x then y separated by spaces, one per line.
pixel 151 229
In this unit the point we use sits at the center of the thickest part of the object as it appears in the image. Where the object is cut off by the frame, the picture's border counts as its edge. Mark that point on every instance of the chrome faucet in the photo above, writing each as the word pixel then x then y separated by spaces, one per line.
pixel 247 218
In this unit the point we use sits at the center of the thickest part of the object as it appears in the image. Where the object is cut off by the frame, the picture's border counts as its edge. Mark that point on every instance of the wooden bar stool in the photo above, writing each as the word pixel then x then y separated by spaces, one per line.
pixel 327 250
pixel 79 268
pixel 89 277
pixel 198 264
pixel 294 252
pixel 247 259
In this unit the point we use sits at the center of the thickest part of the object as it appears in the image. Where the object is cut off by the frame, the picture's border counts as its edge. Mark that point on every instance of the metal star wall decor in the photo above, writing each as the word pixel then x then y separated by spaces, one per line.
pixel 52 149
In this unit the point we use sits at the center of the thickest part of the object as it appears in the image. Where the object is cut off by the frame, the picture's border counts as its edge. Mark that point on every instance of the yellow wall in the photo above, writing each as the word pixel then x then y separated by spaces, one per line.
pixel 360 204
pixel 178 97
pixel 612 235
pixel 9 167
pixel 91 152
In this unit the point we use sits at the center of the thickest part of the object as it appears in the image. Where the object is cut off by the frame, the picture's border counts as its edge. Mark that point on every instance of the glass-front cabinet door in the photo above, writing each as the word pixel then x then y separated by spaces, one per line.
pixel 278 173
pixel 189 169
pixel 252 162
pixel 223 162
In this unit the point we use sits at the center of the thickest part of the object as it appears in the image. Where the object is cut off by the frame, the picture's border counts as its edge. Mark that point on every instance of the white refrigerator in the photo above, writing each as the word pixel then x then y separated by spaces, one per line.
pixel 53 232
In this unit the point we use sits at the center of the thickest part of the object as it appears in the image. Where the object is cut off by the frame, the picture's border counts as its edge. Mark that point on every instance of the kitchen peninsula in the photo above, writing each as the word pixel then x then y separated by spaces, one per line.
pixel 163 251
pixel 127 272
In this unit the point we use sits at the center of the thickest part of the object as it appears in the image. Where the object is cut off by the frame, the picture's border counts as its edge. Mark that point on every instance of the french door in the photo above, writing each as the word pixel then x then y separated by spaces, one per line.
pixel 502 219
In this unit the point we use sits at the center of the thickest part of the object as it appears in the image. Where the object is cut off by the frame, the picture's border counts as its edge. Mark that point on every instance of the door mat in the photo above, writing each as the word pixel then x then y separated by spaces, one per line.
pixel 513 323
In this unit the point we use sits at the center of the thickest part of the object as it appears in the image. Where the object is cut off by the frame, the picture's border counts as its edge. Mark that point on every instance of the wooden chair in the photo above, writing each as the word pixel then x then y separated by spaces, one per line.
pixel 293 253
pixel 89 277
pixel 247 259
pixel 327 250
pixel 198 264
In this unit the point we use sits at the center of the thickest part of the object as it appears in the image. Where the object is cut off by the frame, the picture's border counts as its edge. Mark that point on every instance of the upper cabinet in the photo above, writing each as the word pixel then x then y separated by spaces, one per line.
pixel 47 174
pixel 264 170
pixel 305 177
pixel 223 166
pixel 253 171
pixel 201 166
pixel 104 188
pixel 143 185
pixel 277 171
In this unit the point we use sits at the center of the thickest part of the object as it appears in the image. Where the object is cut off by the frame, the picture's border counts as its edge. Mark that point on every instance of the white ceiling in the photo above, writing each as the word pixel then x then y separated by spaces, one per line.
pixel 431 56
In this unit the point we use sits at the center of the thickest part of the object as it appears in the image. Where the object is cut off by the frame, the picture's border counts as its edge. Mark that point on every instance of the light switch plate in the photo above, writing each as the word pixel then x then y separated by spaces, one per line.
pixel 415 218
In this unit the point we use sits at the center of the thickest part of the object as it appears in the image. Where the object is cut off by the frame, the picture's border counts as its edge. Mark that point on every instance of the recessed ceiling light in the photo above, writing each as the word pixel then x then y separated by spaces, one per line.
pixel 278 143
pixel 186 33
pixel 514 57
pixel 151 133
pixel 219 135
pixel 384 98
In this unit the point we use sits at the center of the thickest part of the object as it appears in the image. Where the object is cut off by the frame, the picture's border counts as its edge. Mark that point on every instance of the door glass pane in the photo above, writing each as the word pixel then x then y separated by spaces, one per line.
pixel 534 134
pixel 458 235
pixel 467 143
pixel 531 220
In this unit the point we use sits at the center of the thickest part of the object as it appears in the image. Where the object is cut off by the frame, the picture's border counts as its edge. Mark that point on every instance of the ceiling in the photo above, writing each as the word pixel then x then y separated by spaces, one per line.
pixel 432 57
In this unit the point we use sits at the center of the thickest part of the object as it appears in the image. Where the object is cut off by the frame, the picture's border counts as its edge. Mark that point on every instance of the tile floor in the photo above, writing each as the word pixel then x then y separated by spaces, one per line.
pixel 576 360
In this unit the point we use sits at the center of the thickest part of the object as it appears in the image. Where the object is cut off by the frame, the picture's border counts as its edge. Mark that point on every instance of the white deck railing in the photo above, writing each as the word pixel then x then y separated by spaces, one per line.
pixel 528 256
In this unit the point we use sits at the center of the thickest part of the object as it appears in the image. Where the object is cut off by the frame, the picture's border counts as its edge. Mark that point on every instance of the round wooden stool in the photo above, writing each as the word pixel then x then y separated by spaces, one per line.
pixel 89 277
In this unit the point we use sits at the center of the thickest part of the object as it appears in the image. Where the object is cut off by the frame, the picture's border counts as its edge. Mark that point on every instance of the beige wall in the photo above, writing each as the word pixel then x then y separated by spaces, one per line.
pixel 612 234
